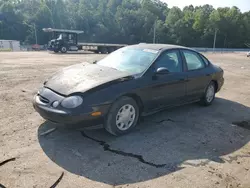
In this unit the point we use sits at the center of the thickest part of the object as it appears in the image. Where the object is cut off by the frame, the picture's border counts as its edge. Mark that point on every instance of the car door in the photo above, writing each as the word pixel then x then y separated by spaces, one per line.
pixel 197 72
pixel 167 89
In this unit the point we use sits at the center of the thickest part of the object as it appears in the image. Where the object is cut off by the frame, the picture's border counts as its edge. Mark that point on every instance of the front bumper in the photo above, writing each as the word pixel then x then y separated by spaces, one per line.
pixel 53 48
pixel 72 118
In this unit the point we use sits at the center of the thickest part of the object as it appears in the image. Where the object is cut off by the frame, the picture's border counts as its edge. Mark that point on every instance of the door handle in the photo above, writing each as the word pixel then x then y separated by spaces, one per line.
pixel 208 74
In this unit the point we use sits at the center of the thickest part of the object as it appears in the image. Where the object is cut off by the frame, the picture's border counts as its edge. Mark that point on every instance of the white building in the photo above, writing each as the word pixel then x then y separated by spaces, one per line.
pixel 9 45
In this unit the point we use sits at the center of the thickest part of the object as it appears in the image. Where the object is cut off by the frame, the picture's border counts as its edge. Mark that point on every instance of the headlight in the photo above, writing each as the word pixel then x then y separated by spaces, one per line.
pixel 40 90
pixel 72 102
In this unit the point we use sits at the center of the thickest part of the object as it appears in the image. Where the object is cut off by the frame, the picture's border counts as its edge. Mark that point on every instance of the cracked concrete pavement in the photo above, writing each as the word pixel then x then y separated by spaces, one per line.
pixel 187 146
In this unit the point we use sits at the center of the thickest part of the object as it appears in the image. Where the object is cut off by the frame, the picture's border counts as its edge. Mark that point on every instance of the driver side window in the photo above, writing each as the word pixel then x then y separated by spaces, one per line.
pixel 170 60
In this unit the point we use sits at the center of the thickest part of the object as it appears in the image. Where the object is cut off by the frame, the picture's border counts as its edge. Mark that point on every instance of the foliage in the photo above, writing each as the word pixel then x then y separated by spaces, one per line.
pixel 125 21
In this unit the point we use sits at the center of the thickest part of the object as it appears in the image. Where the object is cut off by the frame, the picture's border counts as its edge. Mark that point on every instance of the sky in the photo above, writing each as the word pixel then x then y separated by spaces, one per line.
pixel 243 5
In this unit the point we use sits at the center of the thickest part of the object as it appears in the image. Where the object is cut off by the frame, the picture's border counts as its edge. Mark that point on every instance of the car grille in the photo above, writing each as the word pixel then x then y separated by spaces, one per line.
pixel 43 99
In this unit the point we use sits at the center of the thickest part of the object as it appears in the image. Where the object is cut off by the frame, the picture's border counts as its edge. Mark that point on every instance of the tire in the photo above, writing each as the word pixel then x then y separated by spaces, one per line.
pixel 104 50
pixel 64 49
pixel 117 115
pixel 209 95
pixel 56 51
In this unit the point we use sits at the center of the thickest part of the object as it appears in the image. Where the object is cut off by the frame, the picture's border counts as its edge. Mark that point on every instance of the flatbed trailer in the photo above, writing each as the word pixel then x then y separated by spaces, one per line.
pixel 99 47
pixel 67 40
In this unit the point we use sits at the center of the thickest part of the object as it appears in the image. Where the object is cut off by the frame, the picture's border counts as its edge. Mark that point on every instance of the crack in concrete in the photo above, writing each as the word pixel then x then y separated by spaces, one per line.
pixel 163 120
pixel 48 132
pixel 57 181
pixel 2 186
pixel 6 161
pixel 106 147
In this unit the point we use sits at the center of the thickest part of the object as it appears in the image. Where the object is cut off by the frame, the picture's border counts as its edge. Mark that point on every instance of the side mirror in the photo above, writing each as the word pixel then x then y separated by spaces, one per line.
pixel 162 70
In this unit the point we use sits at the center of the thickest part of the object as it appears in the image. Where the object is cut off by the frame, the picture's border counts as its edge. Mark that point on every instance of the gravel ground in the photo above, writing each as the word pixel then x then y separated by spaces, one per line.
pixel 188 146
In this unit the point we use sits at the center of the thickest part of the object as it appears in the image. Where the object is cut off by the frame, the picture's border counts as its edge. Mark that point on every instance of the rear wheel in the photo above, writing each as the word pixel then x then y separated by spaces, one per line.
pixel 122 117
pixel 110 50
pixel 209 94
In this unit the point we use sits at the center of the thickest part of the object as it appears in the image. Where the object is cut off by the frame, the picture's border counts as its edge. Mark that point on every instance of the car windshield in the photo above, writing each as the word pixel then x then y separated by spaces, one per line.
pixel 59 37
pixel 133 60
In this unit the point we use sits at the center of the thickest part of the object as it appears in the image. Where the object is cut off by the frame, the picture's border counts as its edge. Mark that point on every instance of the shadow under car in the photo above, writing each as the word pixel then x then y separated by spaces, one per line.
pixel 160 144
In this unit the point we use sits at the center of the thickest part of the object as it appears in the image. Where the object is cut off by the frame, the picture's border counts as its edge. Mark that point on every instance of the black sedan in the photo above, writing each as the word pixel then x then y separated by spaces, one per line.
pixel 131 82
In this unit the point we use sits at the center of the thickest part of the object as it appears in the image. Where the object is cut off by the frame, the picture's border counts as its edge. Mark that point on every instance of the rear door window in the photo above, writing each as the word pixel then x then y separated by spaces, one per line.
pixel 205 60
pixel 193 60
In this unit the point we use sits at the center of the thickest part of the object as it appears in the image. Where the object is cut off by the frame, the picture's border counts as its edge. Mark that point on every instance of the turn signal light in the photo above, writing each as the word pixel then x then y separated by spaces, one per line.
pixel 96 114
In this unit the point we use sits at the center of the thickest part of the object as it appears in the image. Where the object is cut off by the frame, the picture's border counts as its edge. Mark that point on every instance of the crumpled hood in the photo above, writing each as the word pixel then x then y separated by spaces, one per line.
pixel 82 77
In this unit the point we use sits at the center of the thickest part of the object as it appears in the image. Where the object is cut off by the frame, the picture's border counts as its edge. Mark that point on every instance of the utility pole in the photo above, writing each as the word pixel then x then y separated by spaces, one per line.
pixel 35 32
pixel 154 32
pixel 215 35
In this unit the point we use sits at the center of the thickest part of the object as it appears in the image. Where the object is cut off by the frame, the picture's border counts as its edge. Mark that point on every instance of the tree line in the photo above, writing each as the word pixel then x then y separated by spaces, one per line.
pixel 125 21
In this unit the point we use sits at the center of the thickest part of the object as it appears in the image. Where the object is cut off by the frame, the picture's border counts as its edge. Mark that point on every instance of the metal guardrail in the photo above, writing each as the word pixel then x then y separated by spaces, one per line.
pixel 222 49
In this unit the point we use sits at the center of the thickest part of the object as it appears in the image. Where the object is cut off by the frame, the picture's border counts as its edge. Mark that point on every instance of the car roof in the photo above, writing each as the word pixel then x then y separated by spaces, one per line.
pixel 159 47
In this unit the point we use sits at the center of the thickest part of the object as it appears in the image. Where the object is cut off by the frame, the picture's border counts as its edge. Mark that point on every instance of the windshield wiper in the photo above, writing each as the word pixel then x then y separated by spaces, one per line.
pixel 114 68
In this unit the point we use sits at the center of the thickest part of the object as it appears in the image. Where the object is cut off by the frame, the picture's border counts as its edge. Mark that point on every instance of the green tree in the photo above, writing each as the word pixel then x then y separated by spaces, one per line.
pixel 125 21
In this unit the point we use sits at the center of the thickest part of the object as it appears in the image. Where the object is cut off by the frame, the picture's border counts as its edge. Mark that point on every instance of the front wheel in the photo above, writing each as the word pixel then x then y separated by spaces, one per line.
pixel 64 49
pixel 122 117
pixel 209 95
pixel 104 50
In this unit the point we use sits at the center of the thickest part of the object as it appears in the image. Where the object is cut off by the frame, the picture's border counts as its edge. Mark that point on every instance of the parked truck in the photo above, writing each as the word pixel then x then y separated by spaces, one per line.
pixel 67 40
